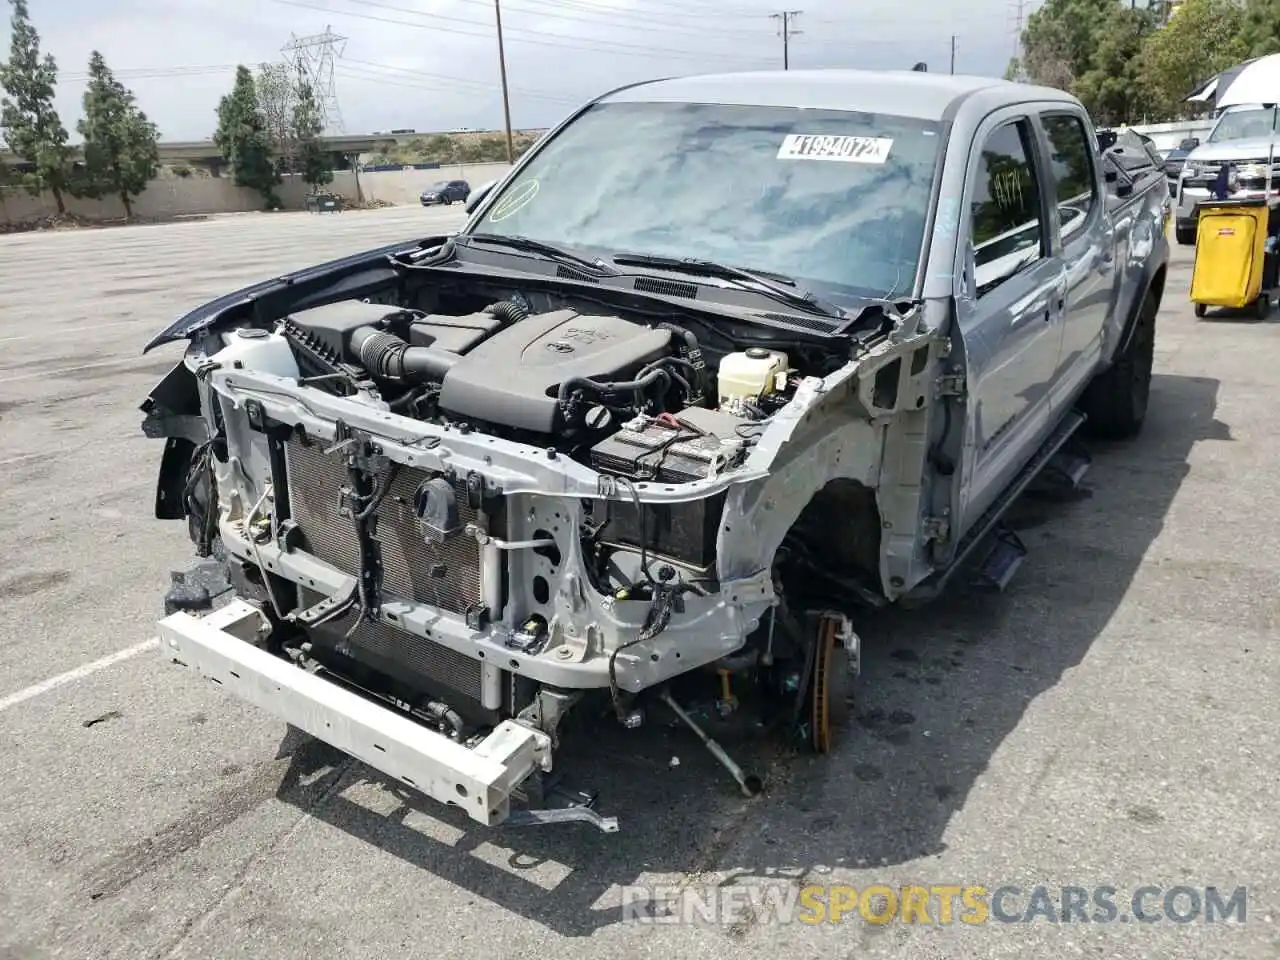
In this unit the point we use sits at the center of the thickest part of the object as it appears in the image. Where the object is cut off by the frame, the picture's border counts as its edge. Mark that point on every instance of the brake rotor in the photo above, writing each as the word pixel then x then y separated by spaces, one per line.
pixel 830 688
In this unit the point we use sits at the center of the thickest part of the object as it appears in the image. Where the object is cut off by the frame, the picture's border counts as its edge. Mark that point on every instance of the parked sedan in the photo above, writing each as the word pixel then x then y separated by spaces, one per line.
pixel 446 191
pixel 1176 159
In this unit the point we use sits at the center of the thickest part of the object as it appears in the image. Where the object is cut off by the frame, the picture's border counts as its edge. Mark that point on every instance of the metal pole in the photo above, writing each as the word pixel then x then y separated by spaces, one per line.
pixel 502 67
pixel 953 53
pixel 1271 153
pixel 787 30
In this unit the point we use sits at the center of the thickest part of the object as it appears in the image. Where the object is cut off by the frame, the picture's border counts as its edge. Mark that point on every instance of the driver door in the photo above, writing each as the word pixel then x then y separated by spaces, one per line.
pixel 1008 307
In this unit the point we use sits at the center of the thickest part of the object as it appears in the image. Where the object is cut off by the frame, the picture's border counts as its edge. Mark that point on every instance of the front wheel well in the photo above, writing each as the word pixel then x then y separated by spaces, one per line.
pixel 831 553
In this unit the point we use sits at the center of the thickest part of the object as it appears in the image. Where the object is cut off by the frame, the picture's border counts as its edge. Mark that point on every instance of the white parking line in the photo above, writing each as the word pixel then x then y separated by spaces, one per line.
pixel 78 673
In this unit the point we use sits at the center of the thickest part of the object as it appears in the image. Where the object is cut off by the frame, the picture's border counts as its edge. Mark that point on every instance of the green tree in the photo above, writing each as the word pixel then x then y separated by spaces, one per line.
pixel 120 152
pixel 1260 31
pixel 1111 87
pixel 276 87
pixel 1202 38
pixel 27 115
pixel 314 162
pixel 244 141
pixel 1061 37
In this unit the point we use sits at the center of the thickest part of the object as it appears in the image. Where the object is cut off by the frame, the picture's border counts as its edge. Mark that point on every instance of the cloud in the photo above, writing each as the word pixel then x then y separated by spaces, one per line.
pixel 433 64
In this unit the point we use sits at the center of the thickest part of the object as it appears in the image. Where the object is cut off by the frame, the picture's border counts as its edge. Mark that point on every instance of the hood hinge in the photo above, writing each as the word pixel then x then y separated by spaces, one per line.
pixel 952 385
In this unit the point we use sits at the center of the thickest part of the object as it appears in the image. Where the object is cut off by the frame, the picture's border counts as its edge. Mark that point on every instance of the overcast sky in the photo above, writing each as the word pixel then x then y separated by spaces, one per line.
pixel 433 64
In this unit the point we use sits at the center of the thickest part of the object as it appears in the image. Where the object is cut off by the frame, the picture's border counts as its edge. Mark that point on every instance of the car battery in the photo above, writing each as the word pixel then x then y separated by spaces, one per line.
pixel 665 451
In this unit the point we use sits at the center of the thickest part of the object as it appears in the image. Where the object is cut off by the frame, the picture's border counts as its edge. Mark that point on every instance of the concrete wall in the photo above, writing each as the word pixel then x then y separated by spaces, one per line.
pixel 170 196
pixel 403 186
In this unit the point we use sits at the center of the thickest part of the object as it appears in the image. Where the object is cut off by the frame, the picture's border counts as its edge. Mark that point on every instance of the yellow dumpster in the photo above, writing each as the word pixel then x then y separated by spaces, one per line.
pixel 1229 271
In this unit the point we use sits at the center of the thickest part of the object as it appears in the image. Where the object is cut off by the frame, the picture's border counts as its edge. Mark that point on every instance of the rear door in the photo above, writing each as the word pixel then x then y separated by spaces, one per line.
pixel 1084 238
pixel 1007 304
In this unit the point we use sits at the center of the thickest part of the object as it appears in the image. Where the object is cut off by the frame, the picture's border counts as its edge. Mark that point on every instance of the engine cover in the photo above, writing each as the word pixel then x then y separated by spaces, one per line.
pixel 511 379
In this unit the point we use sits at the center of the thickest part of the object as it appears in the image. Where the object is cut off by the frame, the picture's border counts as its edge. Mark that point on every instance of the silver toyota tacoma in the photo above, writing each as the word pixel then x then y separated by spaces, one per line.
pixel 722 363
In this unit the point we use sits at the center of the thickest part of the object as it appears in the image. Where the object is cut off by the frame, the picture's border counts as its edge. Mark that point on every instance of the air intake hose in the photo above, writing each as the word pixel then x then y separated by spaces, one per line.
pixel 387 356
pixel 508 311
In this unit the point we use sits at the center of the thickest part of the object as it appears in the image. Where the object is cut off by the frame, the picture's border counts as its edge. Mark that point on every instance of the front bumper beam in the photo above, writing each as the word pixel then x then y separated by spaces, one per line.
pixel 221 647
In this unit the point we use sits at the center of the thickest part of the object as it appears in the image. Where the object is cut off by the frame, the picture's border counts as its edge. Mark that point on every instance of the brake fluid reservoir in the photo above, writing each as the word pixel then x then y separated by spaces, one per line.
pixel 750 374
pixel 258 350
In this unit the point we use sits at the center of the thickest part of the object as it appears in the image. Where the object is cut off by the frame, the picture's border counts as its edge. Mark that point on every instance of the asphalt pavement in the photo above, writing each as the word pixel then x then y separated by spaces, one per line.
pixel 1108 721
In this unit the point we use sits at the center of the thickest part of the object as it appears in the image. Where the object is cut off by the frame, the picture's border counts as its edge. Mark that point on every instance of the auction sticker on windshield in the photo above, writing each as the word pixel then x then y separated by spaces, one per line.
pixel 802 146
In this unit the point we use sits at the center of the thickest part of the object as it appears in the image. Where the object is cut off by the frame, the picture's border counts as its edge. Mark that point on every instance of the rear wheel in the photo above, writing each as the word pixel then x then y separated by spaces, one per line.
pixel 1115 403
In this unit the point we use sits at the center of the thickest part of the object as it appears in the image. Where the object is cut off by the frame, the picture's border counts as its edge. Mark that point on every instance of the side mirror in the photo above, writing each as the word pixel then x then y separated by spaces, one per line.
pixel 1189 144
pixel 1106 140
pixel 478 194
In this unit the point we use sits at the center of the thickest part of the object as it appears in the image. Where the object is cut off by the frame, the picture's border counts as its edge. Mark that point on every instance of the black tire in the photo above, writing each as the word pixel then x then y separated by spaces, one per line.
pixel 1262 306
pixel 1201 309
pixel 1186 236
pixel 1115 403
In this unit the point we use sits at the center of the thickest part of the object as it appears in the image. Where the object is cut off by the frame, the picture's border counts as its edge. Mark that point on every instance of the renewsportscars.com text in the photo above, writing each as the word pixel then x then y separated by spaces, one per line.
pixel 943 904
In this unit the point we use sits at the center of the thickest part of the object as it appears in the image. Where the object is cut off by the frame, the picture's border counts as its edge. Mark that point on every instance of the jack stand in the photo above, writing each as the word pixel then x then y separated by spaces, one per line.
pixel 749 782
pixel 727 703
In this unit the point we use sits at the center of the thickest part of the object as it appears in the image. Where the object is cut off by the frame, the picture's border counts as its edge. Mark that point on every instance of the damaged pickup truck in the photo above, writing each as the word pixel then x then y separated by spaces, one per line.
pixel 722 362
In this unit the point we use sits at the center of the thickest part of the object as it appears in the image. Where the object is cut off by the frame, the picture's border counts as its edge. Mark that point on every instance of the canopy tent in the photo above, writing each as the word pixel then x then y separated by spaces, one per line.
pixel 1253 81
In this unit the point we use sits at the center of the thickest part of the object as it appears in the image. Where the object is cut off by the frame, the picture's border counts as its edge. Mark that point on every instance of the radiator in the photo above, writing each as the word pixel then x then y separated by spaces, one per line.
pixel 444 575
pixel 397 653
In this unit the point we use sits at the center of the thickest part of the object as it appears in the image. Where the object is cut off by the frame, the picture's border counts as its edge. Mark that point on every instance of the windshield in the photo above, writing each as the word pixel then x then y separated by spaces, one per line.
pixel 439 186
pixel 834 198
pixel 1244 125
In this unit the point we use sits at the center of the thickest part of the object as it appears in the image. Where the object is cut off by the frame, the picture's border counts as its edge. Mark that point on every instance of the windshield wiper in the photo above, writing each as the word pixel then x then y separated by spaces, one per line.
pixel 799 298
pixel 548 250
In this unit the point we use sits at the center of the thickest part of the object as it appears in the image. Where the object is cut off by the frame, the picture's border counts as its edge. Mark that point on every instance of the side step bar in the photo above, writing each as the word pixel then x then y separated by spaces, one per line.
pixel 480 780
pixel 932 586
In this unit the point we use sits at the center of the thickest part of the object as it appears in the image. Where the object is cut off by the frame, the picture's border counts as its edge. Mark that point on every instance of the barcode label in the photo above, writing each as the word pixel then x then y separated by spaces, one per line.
pixel 801 146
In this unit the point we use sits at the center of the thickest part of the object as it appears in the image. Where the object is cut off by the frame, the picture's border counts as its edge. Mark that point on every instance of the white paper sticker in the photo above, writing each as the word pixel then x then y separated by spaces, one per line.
pixel 802 146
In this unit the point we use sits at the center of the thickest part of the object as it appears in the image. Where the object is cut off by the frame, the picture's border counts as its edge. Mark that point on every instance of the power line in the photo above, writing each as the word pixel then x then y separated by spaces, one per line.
pixel 515 34
pixel 786 30
pixel 593 14
pixel 374 70
pixel 482 91
pixel 312 58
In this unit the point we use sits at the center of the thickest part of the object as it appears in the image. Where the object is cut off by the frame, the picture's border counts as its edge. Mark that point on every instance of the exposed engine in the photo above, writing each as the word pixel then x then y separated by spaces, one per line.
pixel 633 399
